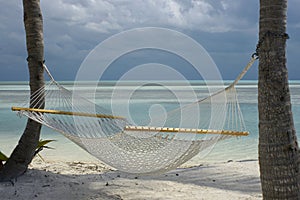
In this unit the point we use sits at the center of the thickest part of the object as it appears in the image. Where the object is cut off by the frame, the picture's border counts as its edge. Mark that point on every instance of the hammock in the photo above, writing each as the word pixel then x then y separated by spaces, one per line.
pixel 137 149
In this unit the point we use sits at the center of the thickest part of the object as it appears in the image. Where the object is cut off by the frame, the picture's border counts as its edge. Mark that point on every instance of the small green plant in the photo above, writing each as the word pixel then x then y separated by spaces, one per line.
pixel 41 145
pixel 3 157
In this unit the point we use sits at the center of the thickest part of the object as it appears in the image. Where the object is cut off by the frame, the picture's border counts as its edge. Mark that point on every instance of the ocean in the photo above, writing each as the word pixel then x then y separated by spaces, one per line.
pixel 241 148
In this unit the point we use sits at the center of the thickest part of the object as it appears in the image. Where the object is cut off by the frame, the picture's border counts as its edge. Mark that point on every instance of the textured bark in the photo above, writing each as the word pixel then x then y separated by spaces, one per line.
pixel 278 147
pixel 24 151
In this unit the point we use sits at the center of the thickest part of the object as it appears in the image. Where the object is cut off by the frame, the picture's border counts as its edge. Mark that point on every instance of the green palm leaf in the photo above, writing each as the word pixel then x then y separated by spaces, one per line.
pixel 42 143
pixel 3 157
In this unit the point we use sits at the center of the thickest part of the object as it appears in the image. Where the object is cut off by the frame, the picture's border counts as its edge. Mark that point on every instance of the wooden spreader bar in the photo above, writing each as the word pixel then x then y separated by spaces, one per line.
pixel 185 130
pixel 136 128
pixel 60 112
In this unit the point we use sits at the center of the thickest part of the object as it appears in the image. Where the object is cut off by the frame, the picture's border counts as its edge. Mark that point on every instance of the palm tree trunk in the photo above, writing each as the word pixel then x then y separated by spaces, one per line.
pixel 278 147
pixel 25 150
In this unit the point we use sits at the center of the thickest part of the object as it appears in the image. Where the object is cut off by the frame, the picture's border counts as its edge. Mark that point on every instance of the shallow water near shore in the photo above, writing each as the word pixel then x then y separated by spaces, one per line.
pixel 242 148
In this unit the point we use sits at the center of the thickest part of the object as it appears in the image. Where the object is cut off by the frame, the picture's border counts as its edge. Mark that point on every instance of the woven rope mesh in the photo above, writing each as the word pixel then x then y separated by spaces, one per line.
pixel 149 151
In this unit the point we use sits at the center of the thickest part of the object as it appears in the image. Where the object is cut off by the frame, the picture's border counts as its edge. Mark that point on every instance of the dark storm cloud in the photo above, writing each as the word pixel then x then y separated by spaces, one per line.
pixel 228 29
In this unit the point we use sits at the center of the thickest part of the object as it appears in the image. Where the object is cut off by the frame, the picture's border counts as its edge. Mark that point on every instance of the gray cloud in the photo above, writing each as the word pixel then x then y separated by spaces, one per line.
pixel 72 28
pixel 117 15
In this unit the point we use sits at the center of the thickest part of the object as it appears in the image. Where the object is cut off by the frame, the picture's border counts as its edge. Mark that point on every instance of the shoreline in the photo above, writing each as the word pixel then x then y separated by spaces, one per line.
pixel 95 180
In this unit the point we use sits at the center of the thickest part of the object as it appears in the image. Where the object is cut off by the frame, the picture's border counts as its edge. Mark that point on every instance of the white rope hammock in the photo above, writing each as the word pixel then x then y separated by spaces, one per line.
pixel 130 148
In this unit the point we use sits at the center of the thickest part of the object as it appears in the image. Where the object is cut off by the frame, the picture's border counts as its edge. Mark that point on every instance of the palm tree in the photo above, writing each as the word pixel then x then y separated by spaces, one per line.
pixel 25 150
pixel 278 147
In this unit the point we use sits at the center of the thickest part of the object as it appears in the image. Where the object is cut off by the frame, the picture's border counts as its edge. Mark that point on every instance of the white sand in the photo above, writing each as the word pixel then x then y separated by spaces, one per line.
pixel 78 180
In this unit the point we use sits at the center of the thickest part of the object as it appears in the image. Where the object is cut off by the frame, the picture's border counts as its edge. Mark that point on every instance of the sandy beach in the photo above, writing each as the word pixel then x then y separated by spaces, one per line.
pixel 69 172
pixel 94 180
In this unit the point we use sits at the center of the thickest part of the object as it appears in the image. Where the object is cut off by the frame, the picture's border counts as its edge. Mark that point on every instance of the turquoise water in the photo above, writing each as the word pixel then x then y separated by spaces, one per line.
pixel 14 93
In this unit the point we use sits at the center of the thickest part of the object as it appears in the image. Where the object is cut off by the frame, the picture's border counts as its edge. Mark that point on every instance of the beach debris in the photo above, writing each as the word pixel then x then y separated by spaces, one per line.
pixel 46 185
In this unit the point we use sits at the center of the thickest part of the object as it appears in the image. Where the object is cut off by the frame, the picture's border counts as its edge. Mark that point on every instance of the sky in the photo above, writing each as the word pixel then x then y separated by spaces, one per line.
pixel 227 29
